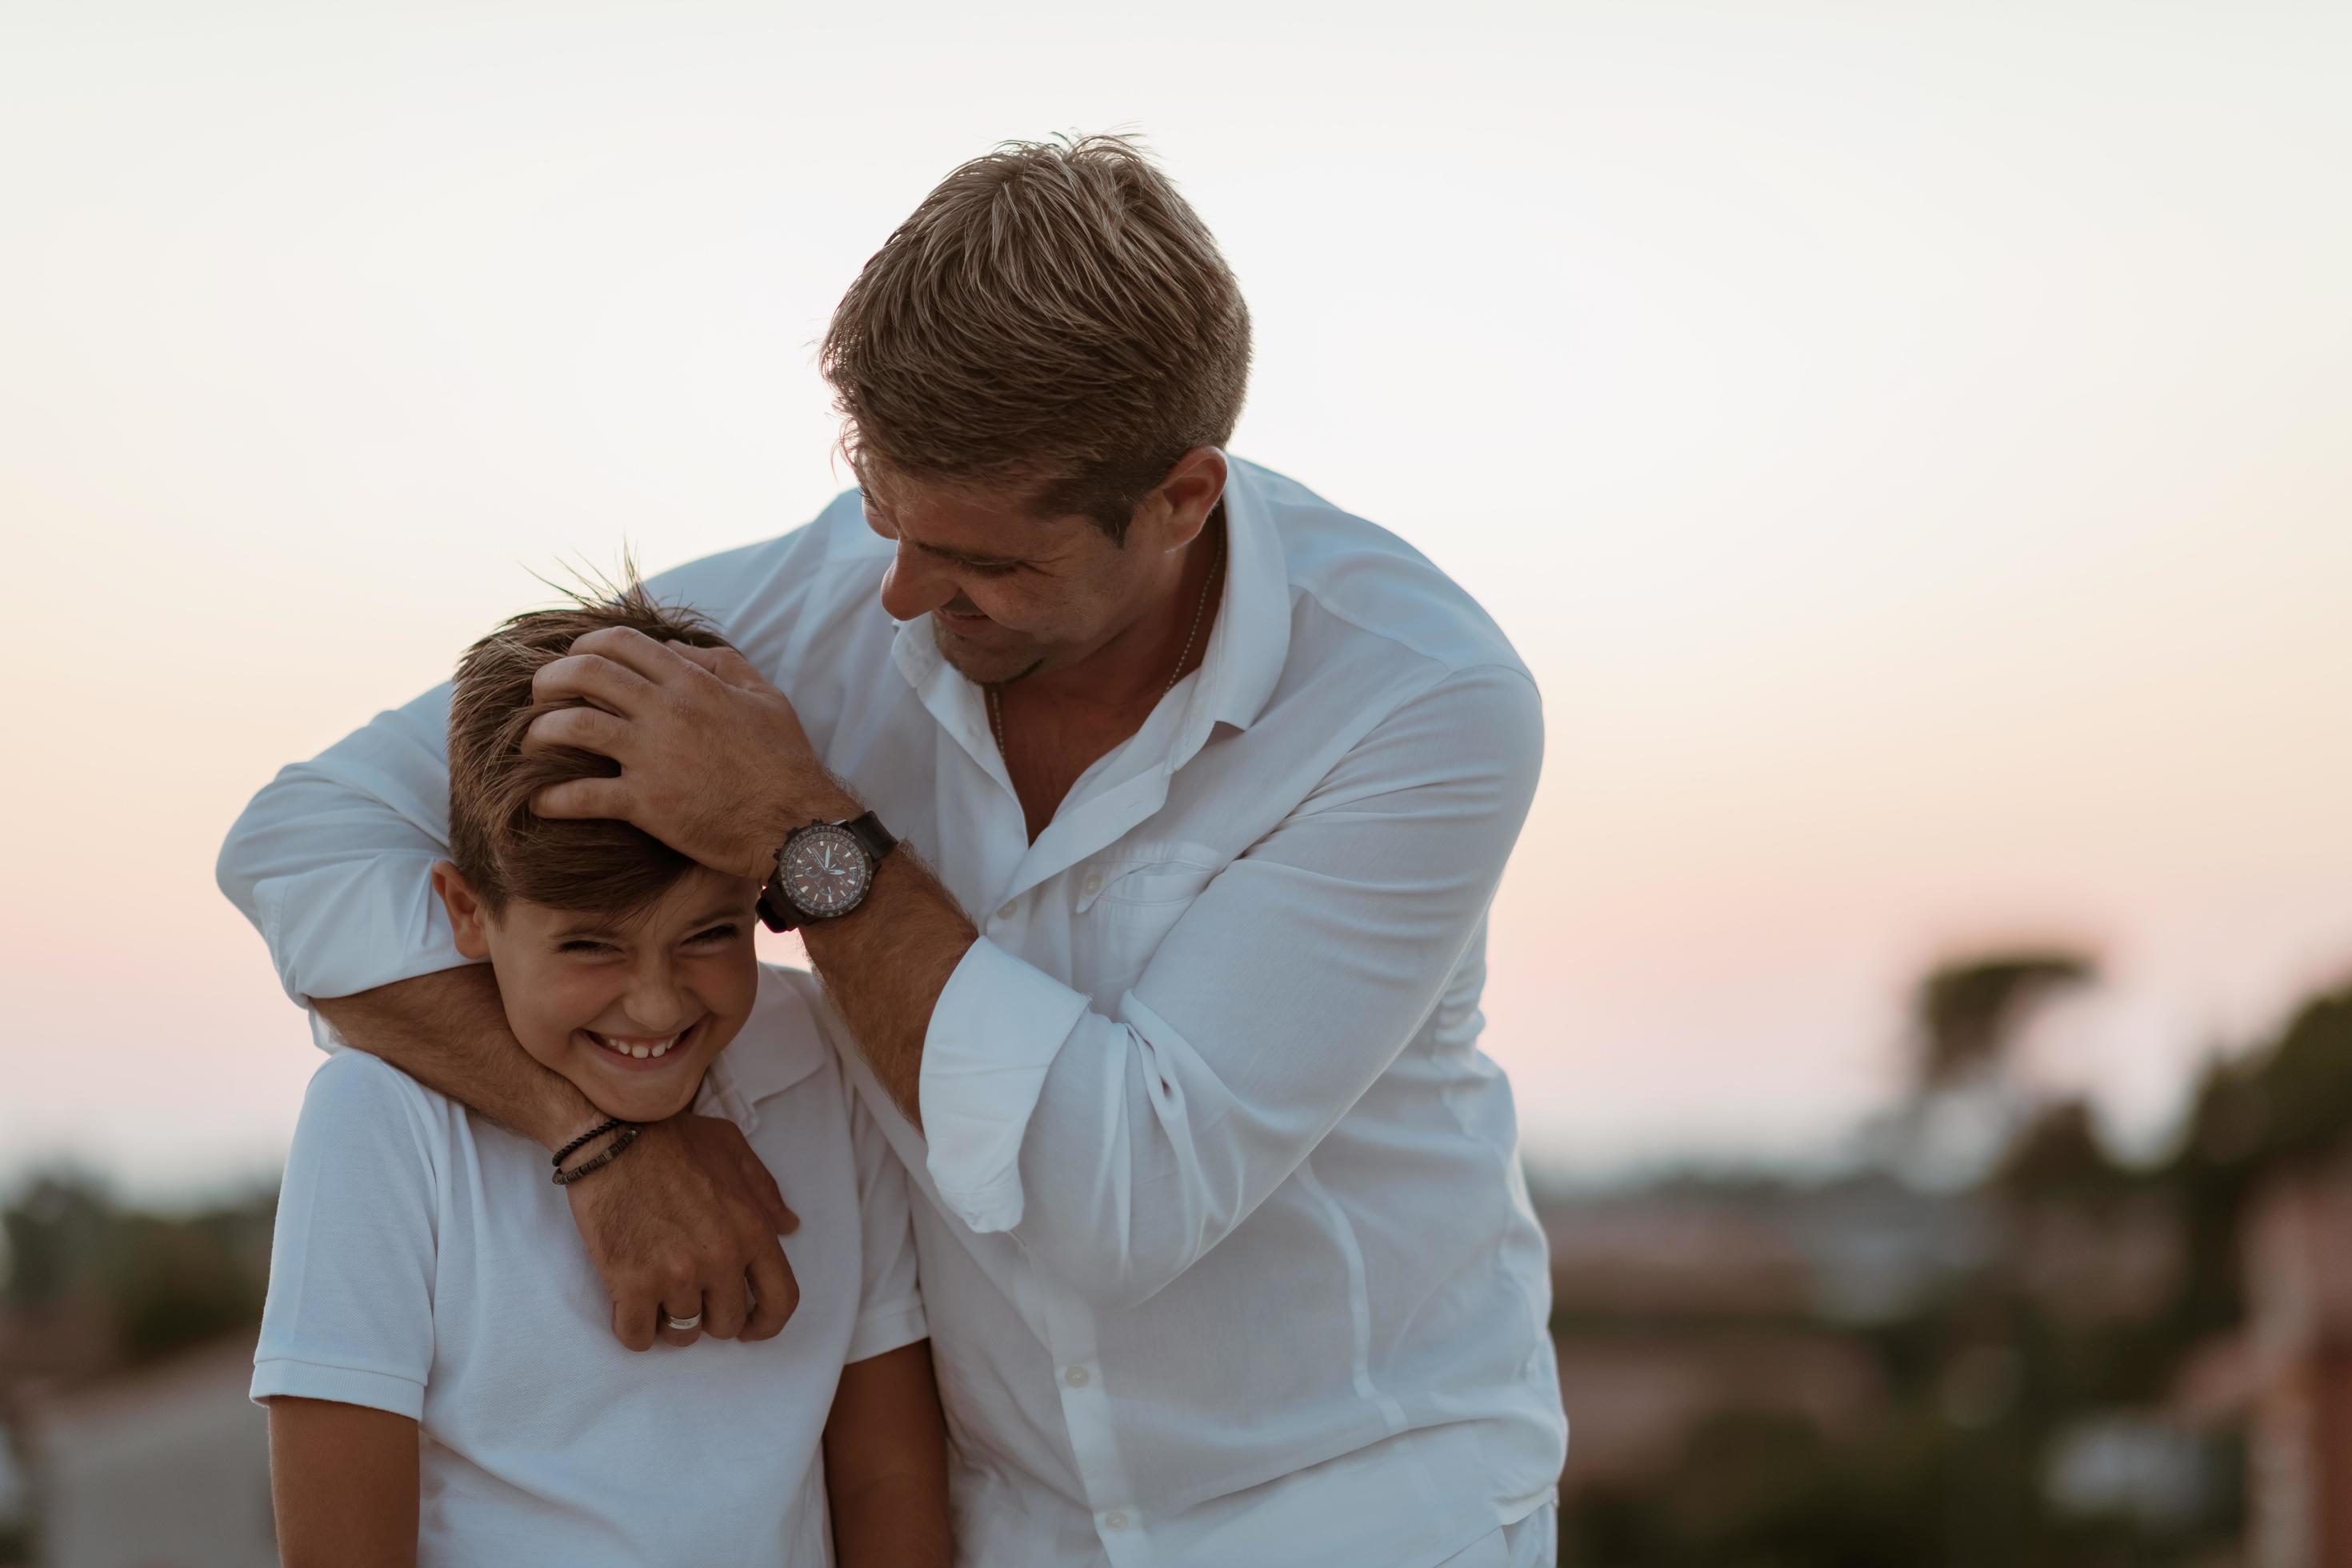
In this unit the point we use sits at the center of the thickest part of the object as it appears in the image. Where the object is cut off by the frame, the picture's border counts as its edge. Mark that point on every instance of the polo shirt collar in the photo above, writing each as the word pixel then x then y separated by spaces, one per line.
pixel 780 1043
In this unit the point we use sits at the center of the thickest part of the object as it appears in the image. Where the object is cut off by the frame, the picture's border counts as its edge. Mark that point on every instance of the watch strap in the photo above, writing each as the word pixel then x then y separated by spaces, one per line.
pixel 871 835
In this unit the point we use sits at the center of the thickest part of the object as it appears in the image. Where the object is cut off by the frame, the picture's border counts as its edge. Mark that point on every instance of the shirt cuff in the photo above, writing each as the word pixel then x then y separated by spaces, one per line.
pixel 340 1384
pixel 997 1028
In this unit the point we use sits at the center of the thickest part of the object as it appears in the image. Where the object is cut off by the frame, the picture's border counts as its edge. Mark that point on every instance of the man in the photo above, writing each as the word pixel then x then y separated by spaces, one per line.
pixel 1219 1221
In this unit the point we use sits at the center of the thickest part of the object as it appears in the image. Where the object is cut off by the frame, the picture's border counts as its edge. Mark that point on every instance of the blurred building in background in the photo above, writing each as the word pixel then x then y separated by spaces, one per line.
pixel 2296 1351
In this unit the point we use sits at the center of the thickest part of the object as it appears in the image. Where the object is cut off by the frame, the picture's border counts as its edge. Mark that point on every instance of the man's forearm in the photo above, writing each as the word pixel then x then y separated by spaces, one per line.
pixel 449 1032
pixel 885 966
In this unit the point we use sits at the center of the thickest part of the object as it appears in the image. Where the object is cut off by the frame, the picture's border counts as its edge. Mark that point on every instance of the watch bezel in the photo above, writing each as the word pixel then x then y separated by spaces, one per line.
pixel 806 841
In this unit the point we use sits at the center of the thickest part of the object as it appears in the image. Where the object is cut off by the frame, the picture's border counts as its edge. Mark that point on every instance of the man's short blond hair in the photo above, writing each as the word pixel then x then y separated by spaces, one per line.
pixel 1052 313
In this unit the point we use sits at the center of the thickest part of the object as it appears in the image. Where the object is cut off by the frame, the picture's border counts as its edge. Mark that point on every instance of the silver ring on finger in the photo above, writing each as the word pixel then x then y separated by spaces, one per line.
pixel 684 1325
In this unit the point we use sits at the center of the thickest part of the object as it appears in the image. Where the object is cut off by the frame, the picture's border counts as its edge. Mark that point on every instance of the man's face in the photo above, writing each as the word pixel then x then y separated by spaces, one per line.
pixel 1009 593
pixel 630 1008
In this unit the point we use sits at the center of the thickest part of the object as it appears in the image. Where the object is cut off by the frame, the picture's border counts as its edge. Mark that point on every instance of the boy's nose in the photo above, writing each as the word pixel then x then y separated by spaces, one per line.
pixel 657 1008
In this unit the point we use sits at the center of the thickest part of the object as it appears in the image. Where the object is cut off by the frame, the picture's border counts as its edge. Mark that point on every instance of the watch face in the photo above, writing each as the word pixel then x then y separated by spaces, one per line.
pixel 826 870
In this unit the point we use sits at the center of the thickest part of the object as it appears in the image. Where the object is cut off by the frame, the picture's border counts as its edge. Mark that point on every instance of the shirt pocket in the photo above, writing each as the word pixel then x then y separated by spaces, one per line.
pixel 1128 901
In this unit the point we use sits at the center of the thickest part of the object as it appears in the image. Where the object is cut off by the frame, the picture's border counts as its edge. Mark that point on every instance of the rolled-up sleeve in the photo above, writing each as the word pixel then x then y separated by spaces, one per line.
pixel 996 1031
pixel 1119 1149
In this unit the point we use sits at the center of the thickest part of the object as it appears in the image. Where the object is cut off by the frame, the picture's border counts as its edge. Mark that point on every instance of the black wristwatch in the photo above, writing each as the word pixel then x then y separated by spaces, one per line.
pixel 824 871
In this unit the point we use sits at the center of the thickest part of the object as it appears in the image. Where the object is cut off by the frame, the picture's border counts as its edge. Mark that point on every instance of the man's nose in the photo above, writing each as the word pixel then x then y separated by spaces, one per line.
pixel 913 587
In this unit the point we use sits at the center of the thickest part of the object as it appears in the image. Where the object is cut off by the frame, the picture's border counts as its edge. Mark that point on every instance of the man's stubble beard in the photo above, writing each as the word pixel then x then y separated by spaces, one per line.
pixel 992 673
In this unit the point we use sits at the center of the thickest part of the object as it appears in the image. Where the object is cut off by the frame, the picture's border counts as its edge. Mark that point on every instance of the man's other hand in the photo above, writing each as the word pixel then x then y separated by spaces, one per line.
pixel 687 1221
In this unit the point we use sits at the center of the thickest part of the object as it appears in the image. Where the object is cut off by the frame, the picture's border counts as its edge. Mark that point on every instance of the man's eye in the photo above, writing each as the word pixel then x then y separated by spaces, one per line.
pixel 582 945
pixel 979 571
pixel 715 935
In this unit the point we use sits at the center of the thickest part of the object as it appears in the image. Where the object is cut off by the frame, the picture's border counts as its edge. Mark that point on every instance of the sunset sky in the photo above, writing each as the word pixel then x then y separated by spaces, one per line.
pixel 1909 444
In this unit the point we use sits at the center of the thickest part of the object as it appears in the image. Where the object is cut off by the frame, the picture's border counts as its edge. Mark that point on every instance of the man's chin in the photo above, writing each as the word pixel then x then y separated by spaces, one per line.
pixel 982 665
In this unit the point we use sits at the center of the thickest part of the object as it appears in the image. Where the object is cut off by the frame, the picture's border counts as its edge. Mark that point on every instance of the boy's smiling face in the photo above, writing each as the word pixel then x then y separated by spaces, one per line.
pixel 630 1008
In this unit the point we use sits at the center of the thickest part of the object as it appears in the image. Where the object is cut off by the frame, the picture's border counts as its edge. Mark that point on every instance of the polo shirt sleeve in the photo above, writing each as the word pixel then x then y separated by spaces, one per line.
pixel 1118 1141
pixel 890 1301
pixel 350 1311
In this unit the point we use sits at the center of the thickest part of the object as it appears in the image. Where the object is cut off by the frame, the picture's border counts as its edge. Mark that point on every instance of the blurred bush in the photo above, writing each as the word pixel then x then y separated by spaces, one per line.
pixel 94 1287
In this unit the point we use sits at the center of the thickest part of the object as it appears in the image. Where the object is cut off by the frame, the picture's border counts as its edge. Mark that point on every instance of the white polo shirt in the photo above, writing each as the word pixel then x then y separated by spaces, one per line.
pixel 1227 1251
pixel 425 1264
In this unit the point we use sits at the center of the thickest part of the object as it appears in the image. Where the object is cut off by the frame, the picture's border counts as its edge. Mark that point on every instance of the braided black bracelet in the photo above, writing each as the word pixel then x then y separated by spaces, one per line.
pixel 603 1157
pixel 590 1136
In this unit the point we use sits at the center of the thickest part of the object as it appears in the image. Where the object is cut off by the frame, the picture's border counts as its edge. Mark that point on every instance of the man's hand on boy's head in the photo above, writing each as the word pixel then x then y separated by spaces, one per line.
pixel 714 762
pixel 690 1216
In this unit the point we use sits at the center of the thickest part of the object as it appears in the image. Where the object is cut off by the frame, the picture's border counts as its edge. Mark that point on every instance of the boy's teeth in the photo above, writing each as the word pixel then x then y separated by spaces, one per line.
pixel 637 1048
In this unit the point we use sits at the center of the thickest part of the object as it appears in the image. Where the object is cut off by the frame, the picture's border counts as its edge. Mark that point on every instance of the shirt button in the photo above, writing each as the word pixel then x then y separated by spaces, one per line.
pixel 1115 1519
pixel 1093 883
pixel 1012 908
pixel 1074 1376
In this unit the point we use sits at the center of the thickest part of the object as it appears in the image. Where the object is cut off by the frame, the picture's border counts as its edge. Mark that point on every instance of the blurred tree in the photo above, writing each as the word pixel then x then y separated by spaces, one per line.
pixel 1968 1014
pixel 1967 1103
pixel 2253 1118
pixel 2059 1156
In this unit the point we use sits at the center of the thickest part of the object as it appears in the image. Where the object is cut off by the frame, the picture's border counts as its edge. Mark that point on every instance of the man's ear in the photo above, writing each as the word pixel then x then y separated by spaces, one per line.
pixel 1180 505
pixel 468 919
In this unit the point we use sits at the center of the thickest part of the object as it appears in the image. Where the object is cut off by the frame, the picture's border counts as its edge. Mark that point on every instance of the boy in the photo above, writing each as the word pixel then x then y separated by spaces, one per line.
pixel 441 1375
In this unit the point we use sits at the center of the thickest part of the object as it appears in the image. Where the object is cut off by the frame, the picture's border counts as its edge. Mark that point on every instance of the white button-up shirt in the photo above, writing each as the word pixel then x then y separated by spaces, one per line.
pixel 1226 1249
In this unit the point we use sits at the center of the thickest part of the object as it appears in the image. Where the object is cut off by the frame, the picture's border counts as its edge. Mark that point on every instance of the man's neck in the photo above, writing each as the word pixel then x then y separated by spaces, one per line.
pixel 1136 666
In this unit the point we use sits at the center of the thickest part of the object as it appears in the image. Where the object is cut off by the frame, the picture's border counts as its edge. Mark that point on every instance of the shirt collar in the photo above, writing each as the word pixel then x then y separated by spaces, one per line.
pixel 1251 640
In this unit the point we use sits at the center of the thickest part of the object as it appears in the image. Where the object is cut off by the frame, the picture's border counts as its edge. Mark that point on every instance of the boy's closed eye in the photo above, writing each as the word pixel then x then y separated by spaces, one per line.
pixel 709 936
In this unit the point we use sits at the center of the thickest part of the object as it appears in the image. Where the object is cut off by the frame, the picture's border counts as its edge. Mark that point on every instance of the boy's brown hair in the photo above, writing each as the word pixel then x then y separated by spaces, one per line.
pixel 1053 311
pixel 503 848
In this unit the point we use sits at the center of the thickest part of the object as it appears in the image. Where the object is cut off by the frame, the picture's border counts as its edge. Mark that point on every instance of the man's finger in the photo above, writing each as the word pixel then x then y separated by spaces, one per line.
pixel 768 1196
pixel 632 1324
pixel 775 1294
pixel 679 1309
pixel 584 797
pixel 725 663
pixel 723 1307
pixel 582 729
pixel 590 678
pixel 632 649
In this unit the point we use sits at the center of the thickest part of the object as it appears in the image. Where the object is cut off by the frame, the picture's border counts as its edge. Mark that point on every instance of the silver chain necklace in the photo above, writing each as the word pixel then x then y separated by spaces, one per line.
pixel 1200 610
